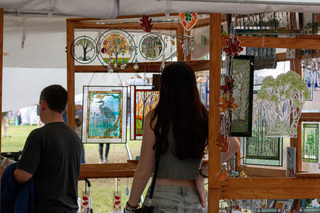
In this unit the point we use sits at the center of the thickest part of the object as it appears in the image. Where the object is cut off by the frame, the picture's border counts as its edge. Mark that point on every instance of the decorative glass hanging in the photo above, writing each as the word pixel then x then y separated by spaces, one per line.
pixel 188 20
pixel 187 44
pixel 151 46
pixel 116 48
pixel 310 142
pixel 146 23
pixel 83 50
pixel 283 99
pixel 227 105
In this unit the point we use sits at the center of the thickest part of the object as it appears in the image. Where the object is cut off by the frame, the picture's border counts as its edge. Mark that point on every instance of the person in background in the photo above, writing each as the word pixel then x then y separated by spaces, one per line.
pixel 105 159
pixel 51 156
pixel 5 123
pixel 78 128
pixel 180 123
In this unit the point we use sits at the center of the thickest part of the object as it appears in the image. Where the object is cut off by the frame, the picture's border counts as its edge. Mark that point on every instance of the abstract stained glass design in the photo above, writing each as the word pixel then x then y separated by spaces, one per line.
pixel 259 149
pixel 104 118
pixel 143 99
pixel 310 142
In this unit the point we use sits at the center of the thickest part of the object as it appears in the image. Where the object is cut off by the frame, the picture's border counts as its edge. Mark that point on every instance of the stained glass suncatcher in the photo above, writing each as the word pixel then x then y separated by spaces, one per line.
pixel 143 99
pixel 241 118
pixel 104 114
pixel 116 48
pixel 259 149
pixel 83 50
pixel 310 142
pixel 151 46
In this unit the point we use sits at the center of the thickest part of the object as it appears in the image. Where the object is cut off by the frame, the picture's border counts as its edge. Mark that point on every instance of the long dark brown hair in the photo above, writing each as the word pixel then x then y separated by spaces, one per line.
pixel 180 108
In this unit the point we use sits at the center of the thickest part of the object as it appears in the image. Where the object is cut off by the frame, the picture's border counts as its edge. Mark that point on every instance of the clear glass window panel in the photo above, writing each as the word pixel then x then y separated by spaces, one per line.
pixel 310 146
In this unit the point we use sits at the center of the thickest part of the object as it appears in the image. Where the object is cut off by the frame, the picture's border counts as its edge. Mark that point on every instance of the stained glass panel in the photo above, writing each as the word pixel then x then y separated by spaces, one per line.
pixel 310 142
pixel 143 99
pixel 259 149
pixel 104 114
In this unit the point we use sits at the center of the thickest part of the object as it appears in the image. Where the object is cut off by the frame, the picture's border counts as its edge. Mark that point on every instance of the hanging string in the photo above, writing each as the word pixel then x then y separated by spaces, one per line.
pixel 119 78
pixel 91 78
pixel 232 35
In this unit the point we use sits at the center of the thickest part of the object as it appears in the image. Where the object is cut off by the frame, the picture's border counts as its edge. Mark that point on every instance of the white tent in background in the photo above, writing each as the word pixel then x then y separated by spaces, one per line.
pixel 35 37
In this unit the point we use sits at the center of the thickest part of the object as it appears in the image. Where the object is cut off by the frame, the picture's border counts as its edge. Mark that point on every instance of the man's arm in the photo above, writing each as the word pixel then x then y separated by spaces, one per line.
pixel 22 176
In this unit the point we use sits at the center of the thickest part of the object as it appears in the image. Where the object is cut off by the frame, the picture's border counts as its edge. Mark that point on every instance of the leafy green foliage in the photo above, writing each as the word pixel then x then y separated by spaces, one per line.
pixel 285 86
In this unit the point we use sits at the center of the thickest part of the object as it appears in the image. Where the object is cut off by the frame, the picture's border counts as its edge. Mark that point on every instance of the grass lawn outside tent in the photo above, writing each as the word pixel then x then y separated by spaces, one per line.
pixel 101 189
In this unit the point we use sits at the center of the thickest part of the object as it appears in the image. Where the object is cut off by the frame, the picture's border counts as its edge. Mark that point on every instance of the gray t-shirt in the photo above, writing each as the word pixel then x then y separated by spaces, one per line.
pixel 171 167
pixel 52 154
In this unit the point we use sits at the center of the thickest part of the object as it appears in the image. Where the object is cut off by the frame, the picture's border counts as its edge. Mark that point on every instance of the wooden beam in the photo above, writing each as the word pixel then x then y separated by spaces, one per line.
pixel 202 23
pixel 200 65
pixel 307 175
pixel 272 193
pixel 107 170
pixel 268 183
pixel 214 114
pixel 310 116
pixel 254 171
pixel 272 42
pixel 282 57
pixel 296 142
pixel 70 75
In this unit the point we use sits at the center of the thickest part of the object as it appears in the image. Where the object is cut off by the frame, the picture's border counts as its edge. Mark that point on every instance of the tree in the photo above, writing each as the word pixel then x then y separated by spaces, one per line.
pixel 283 97
pixel 87 46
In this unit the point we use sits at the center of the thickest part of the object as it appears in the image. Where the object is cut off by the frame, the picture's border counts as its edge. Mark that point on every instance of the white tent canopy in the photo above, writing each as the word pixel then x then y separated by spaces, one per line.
pixel 112 8
pixel 35 37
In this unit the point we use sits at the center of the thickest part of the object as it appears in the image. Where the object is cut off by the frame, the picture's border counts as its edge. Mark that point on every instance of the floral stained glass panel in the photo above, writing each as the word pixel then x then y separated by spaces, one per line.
pixel 143 99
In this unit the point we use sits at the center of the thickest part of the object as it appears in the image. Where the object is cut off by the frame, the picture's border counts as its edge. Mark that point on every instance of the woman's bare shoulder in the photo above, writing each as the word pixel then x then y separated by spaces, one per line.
pixel 149 118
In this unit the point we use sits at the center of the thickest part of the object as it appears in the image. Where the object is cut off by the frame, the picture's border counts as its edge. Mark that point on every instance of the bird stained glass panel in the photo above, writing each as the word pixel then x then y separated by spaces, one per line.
pixel 143 100
pixel 104 114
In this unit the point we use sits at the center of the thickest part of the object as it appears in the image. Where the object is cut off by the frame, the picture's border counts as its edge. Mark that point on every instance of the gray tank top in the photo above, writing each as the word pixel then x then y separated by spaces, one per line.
pixel 171 167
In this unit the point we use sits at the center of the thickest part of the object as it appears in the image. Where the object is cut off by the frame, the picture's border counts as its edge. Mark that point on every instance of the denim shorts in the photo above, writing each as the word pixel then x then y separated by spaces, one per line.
pixel 175 199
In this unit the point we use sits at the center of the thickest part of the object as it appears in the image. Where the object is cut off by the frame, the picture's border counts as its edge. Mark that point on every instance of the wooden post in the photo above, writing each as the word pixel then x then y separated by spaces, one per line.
pixel 295 65
pixel 180 32
pixel 70 75
pixel 1 65
pixel 214 114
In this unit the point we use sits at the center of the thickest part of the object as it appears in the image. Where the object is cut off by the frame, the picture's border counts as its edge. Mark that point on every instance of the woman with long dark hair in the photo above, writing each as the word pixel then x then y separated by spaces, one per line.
pixel 180 123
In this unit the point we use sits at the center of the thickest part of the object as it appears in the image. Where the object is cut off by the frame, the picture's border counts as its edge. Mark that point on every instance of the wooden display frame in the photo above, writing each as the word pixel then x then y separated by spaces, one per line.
pixel 120 169
pixel 233 188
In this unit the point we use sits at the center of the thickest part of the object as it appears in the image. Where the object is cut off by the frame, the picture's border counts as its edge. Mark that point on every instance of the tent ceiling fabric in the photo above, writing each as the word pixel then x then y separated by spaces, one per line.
pixel 106 9
pixel 129 7
pixel 44 41
pixel 94 8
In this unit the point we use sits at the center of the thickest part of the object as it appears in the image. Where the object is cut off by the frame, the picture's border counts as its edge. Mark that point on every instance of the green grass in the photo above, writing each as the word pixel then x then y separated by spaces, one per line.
pixel 101 189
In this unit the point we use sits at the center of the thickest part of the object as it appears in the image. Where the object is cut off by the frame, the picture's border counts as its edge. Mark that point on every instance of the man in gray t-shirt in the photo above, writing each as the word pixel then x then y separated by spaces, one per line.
pixel 52 156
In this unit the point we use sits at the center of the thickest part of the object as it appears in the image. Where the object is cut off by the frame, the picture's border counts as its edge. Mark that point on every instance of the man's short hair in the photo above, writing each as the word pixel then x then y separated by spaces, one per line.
pixel 56 97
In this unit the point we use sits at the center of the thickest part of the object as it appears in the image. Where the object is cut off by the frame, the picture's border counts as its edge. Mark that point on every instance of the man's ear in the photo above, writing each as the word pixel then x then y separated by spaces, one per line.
pixel 43 105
